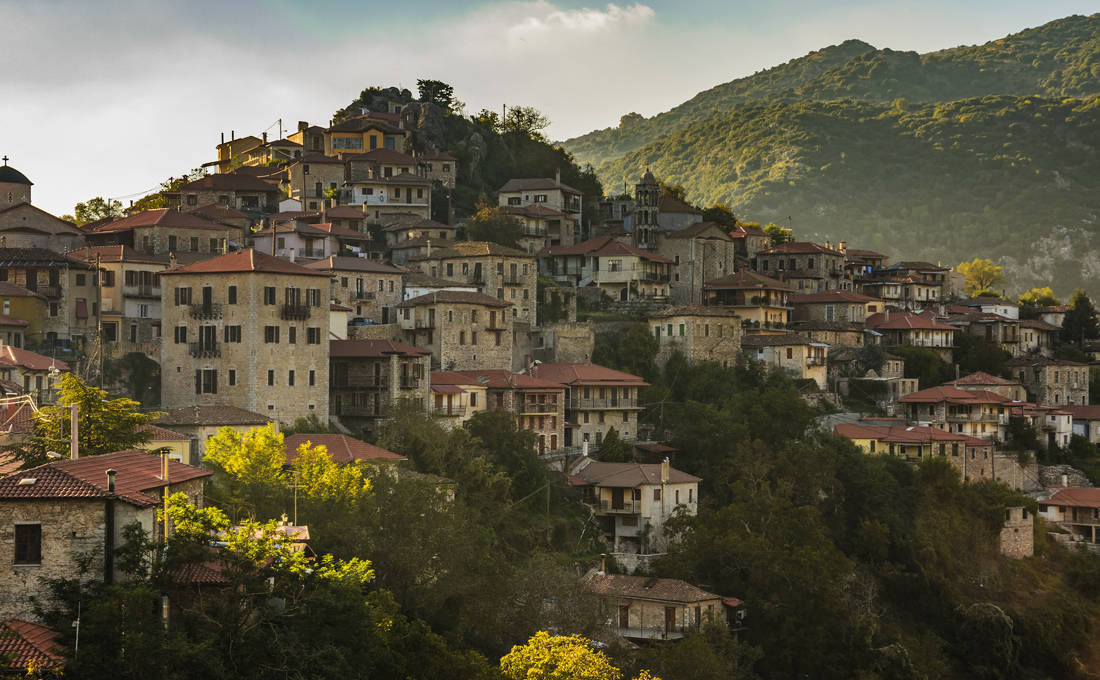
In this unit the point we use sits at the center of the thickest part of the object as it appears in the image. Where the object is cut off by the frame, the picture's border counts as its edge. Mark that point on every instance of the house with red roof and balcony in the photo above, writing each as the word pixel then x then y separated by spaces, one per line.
pixel 978 413
pixel 916 329
pixel 1077 511
pixel 805 267
pixel 622 271
pixel 53 513
pixel 597 399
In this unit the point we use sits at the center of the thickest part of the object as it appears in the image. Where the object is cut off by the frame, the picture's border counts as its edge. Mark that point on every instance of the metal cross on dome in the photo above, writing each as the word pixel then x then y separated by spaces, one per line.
pixel 5 159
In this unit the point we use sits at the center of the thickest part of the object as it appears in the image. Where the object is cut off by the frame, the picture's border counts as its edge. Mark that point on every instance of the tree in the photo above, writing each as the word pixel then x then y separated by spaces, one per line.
pixel 676 191
pixel 96 209
pixel 614 450
pixel 104 425
pixel 492 223
pixel 924 364
pixel 633 350
pixel 1080 322
pixel 974 354
pixel 720 214
pixel 778 234
pixel 1033 299
pixel 436 92
pixel 981 275
pixel 526 120
pixel 559 657
pixel 158 199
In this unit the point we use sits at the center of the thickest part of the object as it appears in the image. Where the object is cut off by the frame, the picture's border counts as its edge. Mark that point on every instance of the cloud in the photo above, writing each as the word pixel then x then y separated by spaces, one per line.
pixel 547 23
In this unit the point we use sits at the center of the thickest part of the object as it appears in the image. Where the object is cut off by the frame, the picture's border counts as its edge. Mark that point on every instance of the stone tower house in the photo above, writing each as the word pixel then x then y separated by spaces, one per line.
pixel 646 199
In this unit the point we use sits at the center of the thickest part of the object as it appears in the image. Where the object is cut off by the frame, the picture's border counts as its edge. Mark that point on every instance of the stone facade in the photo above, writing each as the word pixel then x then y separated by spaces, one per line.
pixel 463 331
pixel 369 379
pixel 699 333
pixel 311 176
pixel 69 287
pixel 806 267
pixel 1052 382
pixel 1018 533
pixel 505 273
pixel 372 289
pixel 702 252
pixel 265 352
pixel 25 226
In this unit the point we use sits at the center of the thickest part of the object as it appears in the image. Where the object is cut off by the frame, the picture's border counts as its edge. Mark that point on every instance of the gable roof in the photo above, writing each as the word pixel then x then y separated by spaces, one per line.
pixel 212 415
pixel 647 588
pixel 229 182
pixel 599 473
pixel 27 645
pixel 935 395
pixel 454 297
pixel 696 230
pixel 244 261
pixel 500 379
pixel 17 356
pixel 906 321
pixel 475 249
pixel 342 448
pixel 37 257
pixel 746 279
pixel 905 434
pixel 980 378
pixel 800 248
pixel 217 211
pixel 584 374
pixel 830 297
pixel 63 225
pixel 9 289
pixel 161 217
pixel 372 349
pixel 136 472
pixel 163 434
pixel 354 264
pixel 536 184
pixel 1074 496
pixel 601 246
pixel 417 223
pixel 1083 412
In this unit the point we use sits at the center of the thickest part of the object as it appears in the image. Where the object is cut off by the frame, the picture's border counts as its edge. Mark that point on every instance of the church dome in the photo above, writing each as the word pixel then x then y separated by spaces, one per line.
pixel 11 175
pixel 648 177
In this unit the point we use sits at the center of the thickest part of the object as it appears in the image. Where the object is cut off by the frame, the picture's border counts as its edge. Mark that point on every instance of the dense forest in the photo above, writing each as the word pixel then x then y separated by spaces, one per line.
pixel 986 150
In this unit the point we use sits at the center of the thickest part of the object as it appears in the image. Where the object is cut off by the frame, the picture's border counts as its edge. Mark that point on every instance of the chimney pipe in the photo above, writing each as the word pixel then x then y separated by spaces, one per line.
pixel 232 135
pixel 223 138
pixel 111 480
pixel 302 125
pixel 557 175
pixel 265 137
pixel 1065 480
pixel 74 432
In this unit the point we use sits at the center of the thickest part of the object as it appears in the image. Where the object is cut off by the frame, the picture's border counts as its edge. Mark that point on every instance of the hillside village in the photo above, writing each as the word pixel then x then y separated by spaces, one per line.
pixel 326 278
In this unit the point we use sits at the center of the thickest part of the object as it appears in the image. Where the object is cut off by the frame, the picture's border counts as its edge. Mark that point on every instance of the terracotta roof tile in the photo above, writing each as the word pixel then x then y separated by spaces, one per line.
pixel 647 588
pixel 354 264
pixel 745 279
pixel 906 321
pixel 372 349
pixel 212 415
pixel 599 473
pixel 536 184
pixel 584 374
pixel 503 379
pixel 16 356
pixel 240 261
pixel 980 378
pixel 602 245
pixel 229 182
pixel 341 447
pixel 454 297
pixel 1078 497
pixel 163 434
pixel 25 645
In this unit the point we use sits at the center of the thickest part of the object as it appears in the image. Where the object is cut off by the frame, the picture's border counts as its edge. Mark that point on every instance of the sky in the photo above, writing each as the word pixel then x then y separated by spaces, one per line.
pixel 110 99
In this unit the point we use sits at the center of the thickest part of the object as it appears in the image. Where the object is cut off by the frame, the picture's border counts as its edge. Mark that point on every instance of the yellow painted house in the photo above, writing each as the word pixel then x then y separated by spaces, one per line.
pixel 20 304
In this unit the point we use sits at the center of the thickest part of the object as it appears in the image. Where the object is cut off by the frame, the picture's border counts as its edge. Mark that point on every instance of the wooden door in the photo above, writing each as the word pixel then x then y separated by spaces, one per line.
pixel 670 619
pixel 617 499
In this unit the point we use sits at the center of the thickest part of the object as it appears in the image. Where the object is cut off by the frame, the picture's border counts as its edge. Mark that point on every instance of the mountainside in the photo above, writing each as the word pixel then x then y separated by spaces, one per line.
pixel 1061 58
pixel 1008 177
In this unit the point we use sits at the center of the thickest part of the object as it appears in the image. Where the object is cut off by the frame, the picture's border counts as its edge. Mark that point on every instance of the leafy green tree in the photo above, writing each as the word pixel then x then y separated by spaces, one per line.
pixel 981 276
pixel 614 450
pixel 779 235
pixel 310 424
pixel 525 120
pixel 1032 300
pixel 924 364
pixel 159 199
pixel 96 209
pixel 1080 322
pixel 676 191
pixel 973 354
pixel 103 425
pixel 492 223
pixel 437 92
pixel 633 350
pixel 721 214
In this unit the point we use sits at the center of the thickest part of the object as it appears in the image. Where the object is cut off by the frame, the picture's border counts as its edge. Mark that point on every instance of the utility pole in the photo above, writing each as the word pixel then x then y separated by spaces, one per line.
pixel 99 316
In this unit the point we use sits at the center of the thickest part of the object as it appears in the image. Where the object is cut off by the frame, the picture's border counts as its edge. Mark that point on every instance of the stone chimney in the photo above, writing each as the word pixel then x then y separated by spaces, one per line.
pixel 265 137
pixel 302 125
pixel 171 259
pixel 557 175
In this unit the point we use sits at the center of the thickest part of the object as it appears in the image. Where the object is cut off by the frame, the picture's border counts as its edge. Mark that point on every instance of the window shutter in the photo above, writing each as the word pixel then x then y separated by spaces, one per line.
pixel 198 382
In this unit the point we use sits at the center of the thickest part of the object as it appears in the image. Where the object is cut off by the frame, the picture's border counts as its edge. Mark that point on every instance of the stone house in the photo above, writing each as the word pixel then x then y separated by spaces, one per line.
pixel 978 413
pixel 597 399
pixel 200 423
pixel 909 285
pixel 1052 382
pixel 225 216
pixel 763 303
pixel 233 152
pixel 408 253
pixel 409 227
pixel 1000 330
pixel 70 290
pixel 438 166
pixel 919 330
pixel 860 265
pixel 750 241
pixel 835 333
pixel 633 501
pixel 384 197
pixel 1076 510
pixel 1086 421
pixel 803 266
pixel 544 191
pixel 357 135
pixel 1038 337
pixel 417 284
pixel 37 374
pixel 371 377
pixel 249 194
pixel 248 330
pixel 698 332
pixel 1018 533
pixel 509 274
pixel 22 225
pixel 24 311
pixel 378 164
pixel 164 231
pixel 1052 424
pixel 462 330
pixel 294 240
pixel 845 306
pixel 310 137
pixel 538 405
pixel 52 513
pixel 984 382
pixel 701 252
pixel 373 288
pixel 351 217
pixel 647 608
pixel 622 271
pixel 796 355
pixel 543 227
pixel 456 397
pixel 310 177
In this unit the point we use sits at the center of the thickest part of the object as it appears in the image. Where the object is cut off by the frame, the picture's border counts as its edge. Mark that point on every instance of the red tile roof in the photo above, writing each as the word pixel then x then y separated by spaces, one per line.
pixel 229 182
pixel 1078 497
pixel 934 395
pixel 355 264
pixel 372 349
pixel 25 645
pixel 163 434
pixel 830 297
pixel 906 321
pixel 503 379
pixel 1086 412
pixel 980 378
pixel 598 473
pixel 16 356
pixel 240 261
pixel 800 248
pixel 905 434
pixel 647 588
pixel 461 297
pixel 162 217
pixel 584 374
pixel 8 289
pixel 136 473
pixel 341 447
pixel 745 279
pixel 603 246
pixel 536 184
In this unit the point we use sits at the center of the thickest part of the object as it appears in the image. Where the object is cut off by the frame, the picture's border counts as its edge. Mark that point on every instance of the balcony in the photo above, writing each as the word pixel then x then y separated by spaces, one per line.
pixel 815 361
pixel 294 312
pixel 358 411
pixel 48 291
pixel 627 507
pixel 410 382
pixel 536 408
pixel 578 402
pixel 513 280
pixel 371 382
pixel 449 411
pixel 655 276
pixel 497 324
pixel 141 291
pixel 205 350
pixel 294 253
pixel 204 311
pixel 425 323
pixel 362 295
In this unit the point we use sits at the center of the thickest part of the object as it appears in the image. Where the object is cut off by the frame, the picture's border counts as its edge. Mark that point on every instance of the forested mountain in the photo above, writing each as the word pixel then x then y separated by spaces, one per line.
pixel 1058 59
pixel 986 150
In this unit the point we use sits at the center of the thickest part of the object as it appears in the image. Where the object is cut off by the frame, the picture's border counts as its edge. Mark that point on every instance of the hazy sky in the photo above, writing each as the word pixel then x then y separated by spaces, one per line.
pixel 112 98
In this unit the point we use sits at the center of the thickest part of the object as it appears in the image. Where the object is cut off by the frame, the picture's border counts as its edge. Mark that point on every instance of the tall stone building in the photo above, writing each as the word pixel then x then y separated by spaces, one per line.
pixel 647 197
pixel 249 330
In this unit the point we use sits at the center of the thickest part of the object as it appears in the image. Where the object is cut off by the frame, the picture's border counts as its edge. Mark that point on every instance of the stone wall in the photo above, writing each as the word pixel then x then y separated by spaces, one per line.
pixel 1018 533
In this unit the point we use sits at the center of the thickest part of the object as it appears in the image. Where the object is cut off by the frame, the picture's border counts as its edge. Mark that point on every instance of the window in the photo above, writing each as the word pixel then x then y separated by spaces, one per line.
pixel 462 337
pixel 292 335
pixel 305 168
pixel 657 494
pixel 28 544
pixel 232 334
pixel 790 353
pixel 194 244
pixel 180 334
pixel 183 296
pixel 232 295
pixel 313 336
pixel 269 295
pixel 271 334
pixel 270 378
pixel 232 377
pixel 81 279
pixel 473 399
pixel 290 378
pixel 206 381
pixel 312 378
pixel 192 199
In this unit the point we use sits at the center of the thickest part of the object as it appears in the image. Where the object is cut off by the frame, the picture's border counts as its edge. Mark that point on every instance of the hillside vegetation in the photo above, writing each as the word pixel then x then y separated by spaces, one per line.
pixel 1057 59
